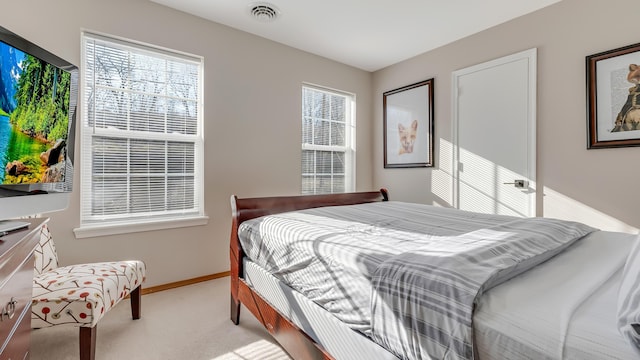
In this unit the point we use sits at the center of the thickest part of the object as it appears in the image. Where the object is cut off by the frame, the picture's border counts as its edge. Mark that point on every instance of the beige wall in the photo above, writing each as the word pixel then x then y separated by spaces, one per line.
pixel 252 110
pixel 252 121
pixel 594 186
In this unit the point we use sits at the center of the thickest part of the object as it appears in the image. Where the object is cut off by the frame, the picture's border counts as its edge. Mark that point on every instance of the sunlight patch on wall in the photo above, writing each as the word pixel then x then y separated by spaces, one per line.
pixel 557 205
pixel 261 349
pixel 442 178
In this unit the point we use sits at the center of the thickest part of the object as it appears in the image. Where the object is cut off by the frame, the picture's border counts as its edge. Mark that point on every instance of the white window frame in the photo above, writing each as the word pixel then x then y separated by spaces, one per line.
pixel 350 135
pixel 123 223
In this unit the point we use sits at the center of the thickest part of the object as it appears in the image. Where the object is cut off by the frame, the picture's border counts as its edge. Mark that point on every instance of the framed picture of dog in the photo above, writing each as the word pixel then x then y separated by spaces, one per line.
pixel 408 126
pixel 613 98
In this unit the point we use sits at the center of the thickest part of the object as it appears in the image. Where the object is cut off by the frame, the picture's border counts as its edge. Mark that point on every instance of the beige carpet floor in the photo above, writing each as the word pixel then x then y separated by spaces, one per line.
pixel 187 323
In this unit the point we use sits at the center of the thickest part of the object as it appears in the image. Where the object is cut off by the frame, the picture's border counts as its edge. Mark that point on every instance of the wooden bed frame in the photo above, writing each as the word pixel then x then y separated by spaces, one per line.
pixel 298 344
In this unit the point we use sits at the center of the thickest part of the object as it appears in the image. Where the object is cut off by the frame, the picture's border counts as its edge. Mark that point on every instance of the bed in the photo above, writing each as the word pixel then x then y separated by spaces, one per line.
pixel 355 276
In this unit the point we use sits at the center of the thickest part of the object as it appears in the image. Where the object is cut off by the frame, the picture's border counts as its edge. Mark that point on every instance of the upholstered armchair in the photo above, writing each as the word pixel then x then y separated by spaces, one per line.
pixel 80 295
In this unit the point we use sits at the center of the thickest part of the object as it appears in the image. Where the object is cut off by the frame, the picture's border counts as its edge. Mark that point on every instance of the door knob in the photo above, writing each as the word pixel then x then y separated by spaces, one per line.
pixel 520 184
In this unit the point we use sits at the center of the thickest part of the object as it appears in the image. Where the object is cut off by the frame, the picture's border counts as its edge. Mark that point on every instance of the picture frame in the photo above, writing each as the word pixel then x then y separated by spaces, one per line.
pixel 613 98
pixel 408 126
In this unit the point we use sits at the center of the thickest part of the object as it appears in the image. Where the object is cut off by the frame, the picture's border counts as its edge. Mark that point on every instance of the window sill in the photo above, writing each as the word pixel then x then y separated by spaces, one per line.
pixel 94 230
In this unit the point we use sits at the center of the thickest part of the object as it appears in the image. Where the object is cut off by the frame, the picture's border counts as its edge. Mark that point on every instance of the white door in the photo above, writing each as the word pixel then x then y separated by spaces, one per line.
pixel 494 136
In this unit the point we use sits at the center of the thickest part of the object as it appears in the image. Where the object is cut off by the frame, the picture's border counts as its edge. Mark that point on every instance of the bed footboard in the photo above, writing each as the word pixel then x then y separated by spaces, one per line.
pixel 296 342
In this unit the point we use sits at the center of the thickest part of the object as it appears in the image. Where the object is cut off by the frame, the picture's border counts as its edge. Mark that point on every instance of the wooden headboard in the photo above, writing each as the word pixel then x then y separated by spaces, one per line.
pixel 249 208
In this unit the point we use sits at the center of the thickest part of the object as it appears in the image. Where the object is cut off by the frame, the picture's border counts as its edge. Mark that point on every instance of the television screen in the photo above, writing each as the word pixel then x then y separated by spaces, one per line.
pixel 34 118
pixel 38 96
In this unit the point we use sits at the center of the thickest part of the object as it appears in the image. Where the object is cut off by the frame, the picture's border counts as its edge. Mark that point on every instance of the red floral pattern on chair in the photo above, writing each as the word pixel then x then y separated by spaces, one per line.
pixel 82 294
pixel 45 253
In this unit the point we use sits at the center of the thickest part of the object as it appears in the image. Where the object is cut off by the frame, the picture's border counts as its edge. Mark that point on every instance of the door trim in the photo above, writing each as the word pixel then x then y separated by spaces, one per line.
pixel 531 56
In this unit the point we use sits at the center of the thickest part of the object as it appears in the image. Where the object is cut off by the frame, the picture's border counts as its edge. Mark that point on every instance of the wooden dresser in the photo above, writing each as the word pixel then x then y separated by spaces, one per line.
pixel 16 284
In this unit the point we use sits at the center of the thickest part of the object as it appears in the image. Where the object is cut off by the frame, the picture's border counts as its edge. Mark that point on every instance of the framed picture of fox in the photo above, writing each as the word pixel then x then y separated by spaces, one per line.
pixel 613 97
pixel 408 126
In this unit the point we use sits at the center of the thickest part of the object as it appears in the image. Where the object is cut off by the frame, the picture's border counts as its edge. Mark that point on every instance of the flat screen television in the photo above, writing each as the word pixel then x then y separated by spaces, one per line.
pixel 38 98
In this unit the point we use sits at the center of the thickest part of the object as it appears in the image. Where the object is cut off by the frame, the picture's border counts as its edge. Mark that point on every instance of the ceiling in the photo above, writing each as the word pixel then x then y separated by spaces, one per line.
pixel 367 34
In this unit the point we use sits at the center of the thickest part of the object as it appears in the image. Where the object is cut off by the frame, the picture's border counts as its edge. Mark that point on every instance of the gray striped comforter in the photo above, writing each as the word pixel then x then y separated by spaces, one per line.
pixel 407 275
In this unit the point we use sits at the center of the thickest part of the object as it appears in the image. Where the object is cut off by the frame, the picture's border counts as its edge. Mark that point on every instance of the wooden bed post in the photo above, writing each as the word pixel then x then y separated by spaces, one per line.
pixel 235 257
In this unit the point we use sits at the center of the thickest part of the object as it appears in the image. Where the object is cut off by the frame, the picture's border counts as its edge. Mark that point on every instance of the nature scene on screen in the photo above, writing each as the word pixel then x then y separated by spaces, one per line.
pixel 34 105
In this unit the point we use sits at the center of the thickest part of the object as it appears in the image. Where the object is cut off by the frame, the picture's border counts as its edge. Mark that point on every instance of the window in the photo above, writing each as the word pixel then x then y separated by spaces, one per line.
pixel 142 142
pixel 328 141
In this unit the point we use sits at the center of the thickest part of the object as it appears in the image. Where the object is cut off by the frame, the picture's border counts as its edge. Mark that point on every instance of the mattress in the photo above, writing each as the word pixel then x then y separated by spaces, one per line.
pixel 333 255
pixel 555 311
pixel 336 337
pixel 562 309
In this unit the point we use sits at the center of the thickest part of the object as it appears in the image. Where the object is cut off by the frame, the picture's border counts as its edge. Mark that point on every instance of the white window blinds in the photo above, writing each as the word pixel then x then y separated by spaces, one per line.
pixel 142 142
pixel 328 141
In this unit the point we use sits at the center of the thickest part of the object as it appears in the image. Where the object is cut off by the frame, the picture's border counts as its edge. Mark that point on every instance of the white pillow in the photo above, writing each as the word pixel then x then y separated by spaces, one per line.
pixel 629 298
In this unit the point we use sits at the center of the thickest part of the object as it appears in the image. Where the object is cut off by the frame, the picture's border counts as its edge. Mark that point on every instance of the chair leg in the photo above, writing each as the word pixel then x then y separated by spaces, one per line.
pixel 136 296
pixel 88 343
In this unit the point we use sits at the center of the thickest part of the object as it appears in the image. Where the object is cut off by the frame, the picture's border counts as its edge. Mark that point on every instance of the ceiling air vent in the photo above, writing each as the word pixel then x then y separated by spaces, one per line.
pixel 264 12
